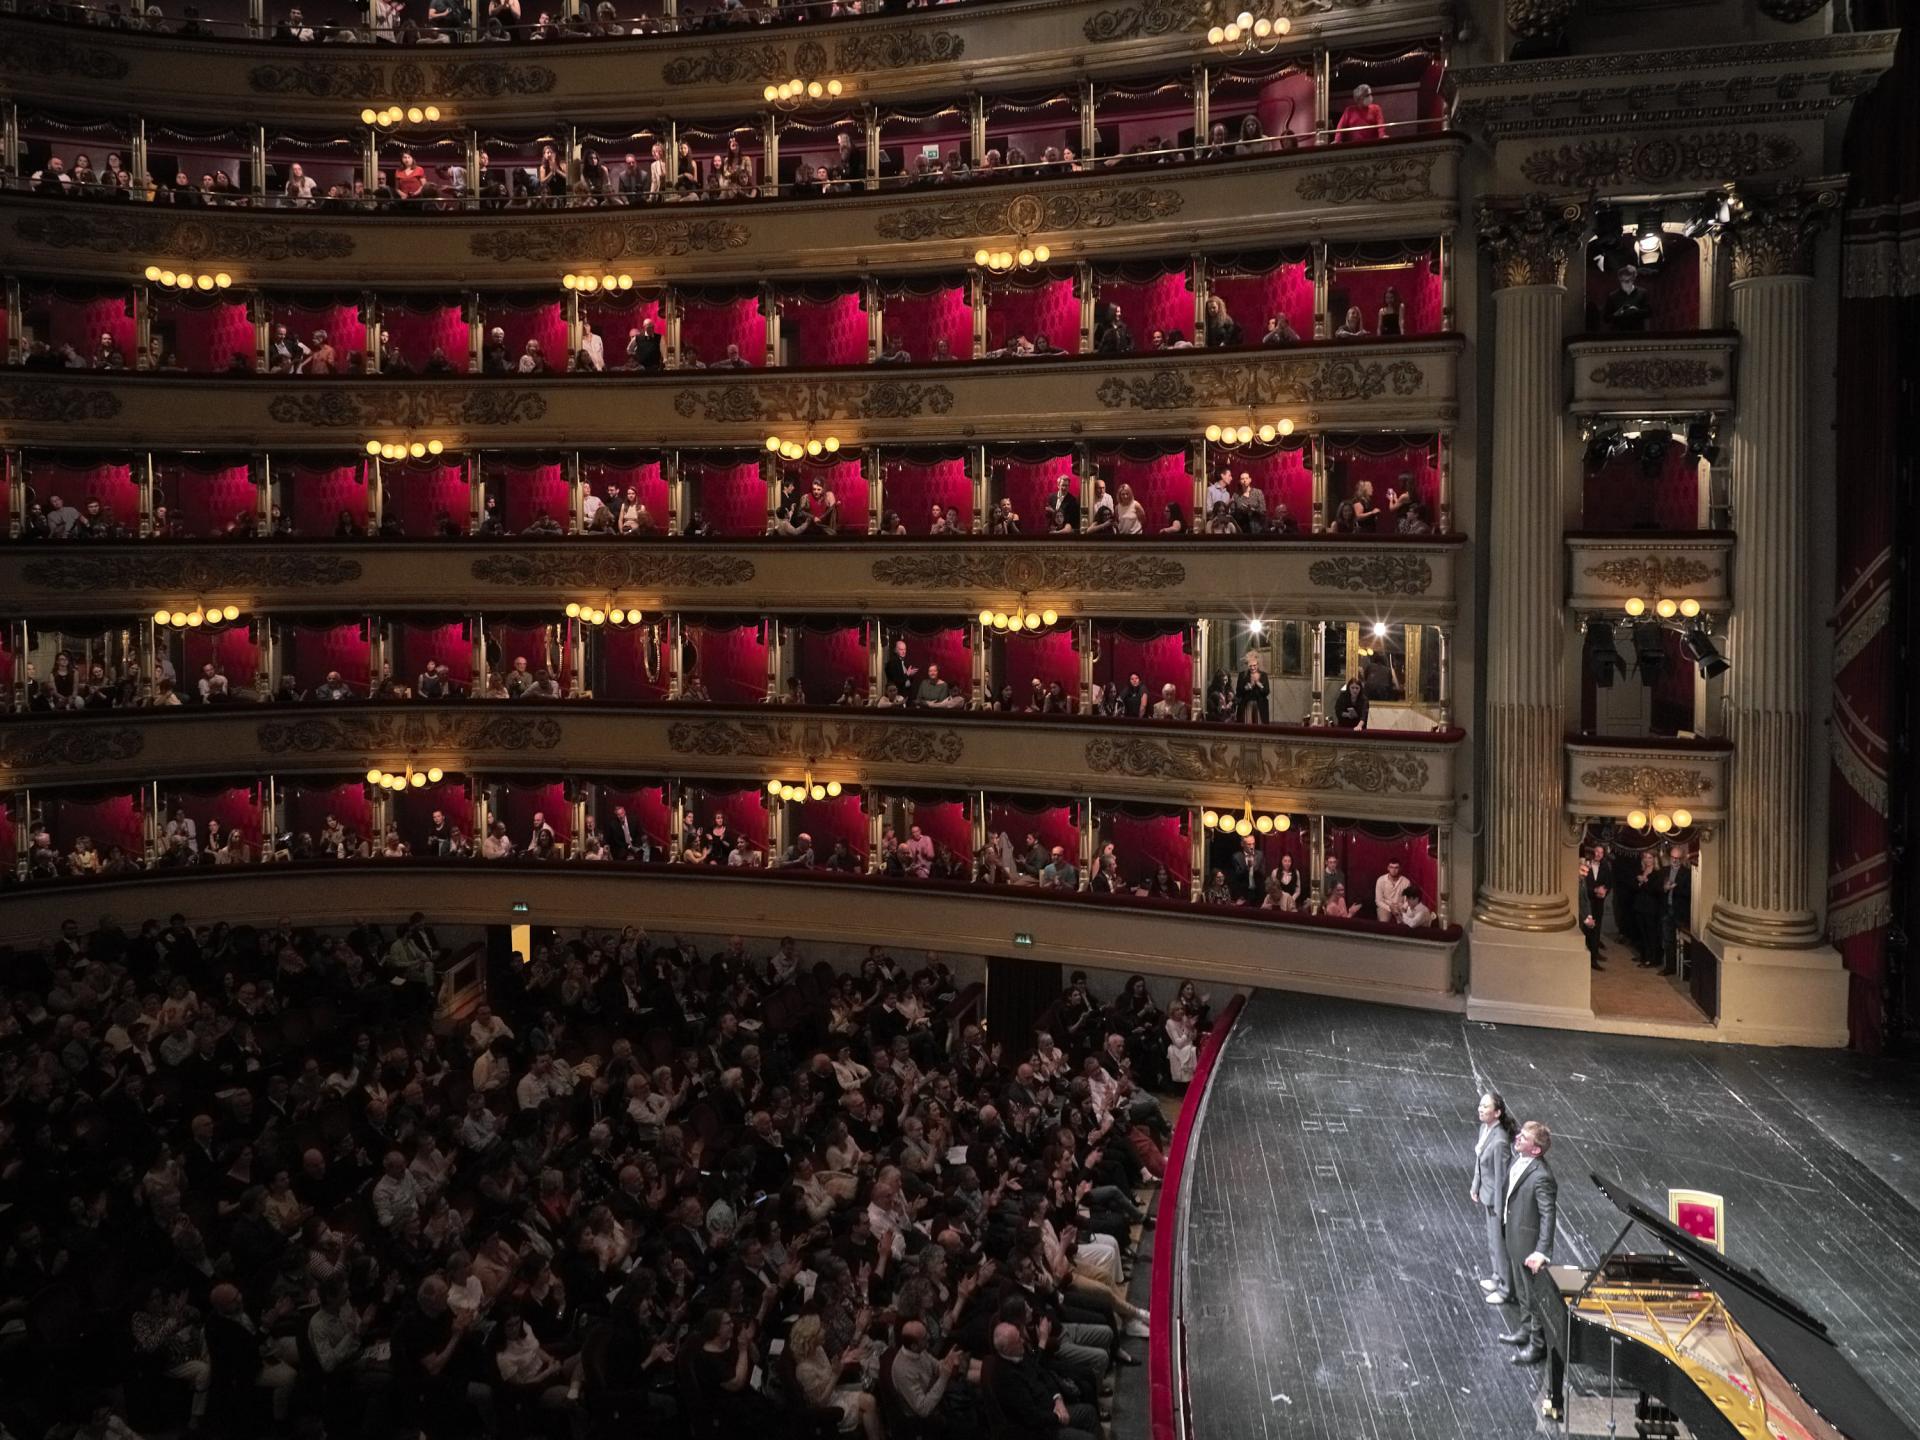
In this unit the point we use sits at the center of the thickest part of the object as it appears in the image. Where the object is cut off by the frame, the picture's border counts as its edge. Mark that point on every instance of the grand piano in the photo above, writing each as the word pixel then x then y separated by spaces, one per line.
pixel 1687 1333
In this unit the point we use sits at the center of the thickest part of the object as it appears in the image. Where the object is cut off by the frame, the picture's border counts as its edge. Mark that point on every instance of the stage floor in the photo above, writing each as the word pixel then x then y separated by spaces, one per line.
pixel 1332 1250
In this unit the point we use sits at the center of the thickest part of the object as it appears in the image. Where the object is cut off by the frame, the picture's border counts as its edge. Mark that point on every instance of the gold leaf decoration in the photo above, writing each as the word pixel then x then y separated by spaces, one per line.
pixel 1657 373
pixel 1362 769
pixel 1373 574
pixel 1646 781
pixel 1652 572
pixel 813 400
pixel 891 742
pixel 43 747
pixel 1199 384
pixel 353 79
pixel 235 235
pixel 1025 572
pixel 897 50
pixel 1716 155
pixel 605 569
pixel 607 240
pixel 1408 177
pixel 729 65
pixel 29 402
pixel 1065 208
pixel 407 407
pixel 452 735
pixel 175 573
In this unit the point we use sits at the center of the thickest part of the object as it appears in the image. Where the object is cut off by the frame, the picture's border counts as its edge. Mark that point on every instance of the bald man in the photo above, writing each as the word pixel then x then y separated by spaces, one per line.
pixel 1028 1400
pixel 920 1382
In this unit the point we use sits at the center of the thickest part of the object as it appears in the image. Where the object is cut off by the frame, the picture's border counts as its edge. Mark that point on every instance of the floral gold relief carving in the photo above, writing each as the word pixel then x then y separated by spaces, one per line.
pixel 373 734
pixel 1530 240
pixel 731 65
pixel 1262 382
pixel 1362 769
pixel 1774 229
pixel 1716 155
pixel 41 747
pixel 1151 18
pixel 1376 181
pixel 1095 208
pixel 897 50
pixel 1641 782
pixel 237 236
pixel 46 55
pixel 1657 374
pixel 405 407
pixel 1652 572
pixel 1373 574
pixel 28 402
pixel 892 742
pixel 608 240
pixel 178 574
pixel 611 570
pixel 813 400
pixel 377 80
pixel 1022 573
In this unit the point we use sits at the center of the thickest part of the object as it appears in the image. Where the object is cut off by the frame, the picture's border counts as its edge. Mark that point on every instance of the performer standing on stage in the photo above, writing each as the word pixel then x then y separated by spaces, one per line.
pixel 1530 1211
pixel 1491 1156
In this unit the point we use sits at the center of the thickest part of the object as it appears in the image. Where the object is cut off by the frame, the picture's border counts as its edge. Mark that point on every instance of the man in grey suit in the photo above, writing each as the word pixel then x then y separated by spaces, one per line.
pixel 1530 1212
pixel 1492 1153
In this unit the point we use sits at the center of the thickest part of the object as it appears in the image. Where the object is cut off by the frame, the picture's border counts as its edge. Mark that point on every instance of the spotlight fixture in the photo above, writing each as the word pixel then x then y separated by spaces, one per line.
pixel 807 789
pixel 792 94
pixel 1653 447
pixel 1649 651
pixel 202 281
pixel 1019 619
pixel 811 448
pixel 394 115
pixel 591 284
pixel 1604 661
pixel 1246 822
pixel 1649 244
pixel 405 449
pixel 1023 256
pixel 1698 647
pixel 1247 431
pixel 1248 33
pixel 607 612
pixel 200 614
pixel 1702 441
pixel 408 779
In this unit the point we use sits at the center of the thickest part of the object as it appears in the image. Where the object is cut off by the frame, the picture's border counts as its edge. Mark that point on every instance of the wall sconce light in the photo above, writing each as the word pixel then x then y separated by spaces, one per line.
pixel 811 448
pixel 1246 432
pixel 1247 32
pixel 807 789
pixel 792 94
pixel 404 450
pixel 1022 257
pixel 1246 822
pixel 592 612
pixel 408 779
pixel 1020 619
pixel 589 284
pixel 200 614
pixel 392 115
pixel 186 279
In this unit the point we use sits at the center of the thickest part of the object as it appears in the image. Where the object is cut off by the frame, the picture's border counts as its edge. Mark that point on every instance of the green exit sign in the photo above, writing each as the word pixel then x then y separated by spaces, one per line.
pixel 521 907
pixel 1023 938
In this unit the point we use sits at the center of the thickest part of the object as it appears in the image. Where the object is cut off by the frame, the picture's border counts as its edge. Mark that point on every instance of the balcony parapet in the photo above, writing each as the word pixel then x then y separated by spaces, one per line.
pixel 1014 43
pixel 1386 191
pixel 1399 776
pixel 1381 385
pixel 1331 577
pixel 1607 777
pixel 1605 569
pixel 1679 374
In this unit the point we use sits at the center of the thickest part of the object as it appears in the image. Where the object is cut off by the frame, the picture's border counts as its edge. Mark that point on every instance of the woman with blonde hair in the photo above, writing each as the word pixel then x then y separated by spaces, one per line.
pixel 817 1378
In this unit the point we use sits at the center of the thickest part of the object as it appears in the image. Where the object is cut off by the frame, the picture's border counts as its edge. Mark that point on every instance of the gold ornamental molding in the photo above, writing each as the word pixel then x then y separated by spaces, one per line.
pixel 438 735
pixel 1530 240
pixel 608 240
pixel 403 80
pixel 1633 375
pixel 1605 571
pixel 756 62
pixel 813 400
pixel 1775 228
pixel 1265 765
pixel 1039 575
pixel 1373 574
pixel 108 231
pixel 1712 156
pixel 56 57
pixel 1264 382
pixel 560 571
pixel 1057 211
pixel 1655 574
pixel 1605 778
pixel 26 403
pixel 868 741
pixel 1391 180
pixel 1636 782
pixel 409 407
pixel 48 747
pixel 1149 19
pixel 1660 373
pixel 160 571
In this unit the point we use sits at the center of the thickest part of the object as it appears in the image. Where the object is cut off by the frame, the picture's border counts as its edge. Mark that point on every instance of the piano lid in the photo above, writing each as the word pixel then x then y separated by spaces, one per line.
pixel 1793 1339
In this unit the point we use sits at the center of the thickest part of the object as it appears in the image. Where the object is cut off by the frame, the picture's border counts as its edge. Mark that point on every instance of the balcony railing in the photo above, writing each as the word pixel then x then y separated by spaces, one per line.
pixel 1607 569
pixel 1669 374
pixel 1611 777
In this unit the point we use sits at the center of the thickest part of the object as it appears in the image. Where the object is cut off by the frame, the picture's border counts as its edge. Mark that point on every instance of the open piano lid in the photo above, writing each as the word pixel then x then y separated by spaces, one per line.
pixel 1794 1340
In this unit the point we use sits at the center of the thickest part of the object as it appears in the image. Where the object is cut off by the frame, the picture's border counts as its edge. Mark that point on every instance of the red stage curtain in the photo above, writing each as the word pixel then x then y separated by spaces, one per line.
pixel 1674 288
pixel 1162 303
pixel 746 815
pixel 731 659
pixel 419 491
pixel 1049 308
pixel 826 659
pixel 1143 843
pixel 316 494
pixel 111 484
pixel 1046 657
pixel 413 811
pixel 532 488
pixel 945 822
pixel 1364 854
pixel 519 802
pixel 1053 824
pixel 311 653
pixel 707 327
pixel 416 331
pixel 920 322
pixel 108 821
pixel 231 648
pixel 342 323
pixel 837 818
pixel 1253 300
pixel 1418 282
pixel 1161 660
pixel 203 503
pixel 625 653
pixel 415 646
pixel 1619 494
pixel 645 478
pixel 912 488
pixel 308 807
pixel 1028 483
pixel 1157 481
pixel 825 332
pixel 733 498
pixel 237 808
pixel 206 334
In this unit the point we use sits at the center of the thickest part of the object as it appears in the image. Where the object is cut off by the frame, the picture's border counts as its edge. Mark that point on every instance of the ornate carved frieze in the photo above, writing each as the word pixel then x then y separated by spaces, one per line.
pixel 738 65
pixel 397 732
pixel 1713 155
pixel 116 232
pixel 1373 574
pixel 897 50
pixel 757 63
pixel 1530 240
pixel 547 570
pixel 1380 182
pixel 408 407
pixel 1264 382
pixel 1657 373
pixel 868 741
pixel 1363 769
pixel 1030 214
pixel 1023 574
pixel 48 55
pixel 814 400
pixel 55 404
pixel 39 747
pixel 608 240
pixel 1539 24
pixel 1639 782
pixel 404 80
pixel 1652 573
pixel 1774 229
pixel 189 575
pixel 1149 19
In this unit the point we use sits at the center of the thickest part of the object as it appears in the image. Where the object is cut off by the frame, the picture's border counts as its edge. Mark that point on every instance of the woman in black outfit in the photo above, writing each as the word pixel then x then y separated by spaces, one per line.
pixel 1350 706
pixel 1250 693
pixel 1220 697
pixel 1644 904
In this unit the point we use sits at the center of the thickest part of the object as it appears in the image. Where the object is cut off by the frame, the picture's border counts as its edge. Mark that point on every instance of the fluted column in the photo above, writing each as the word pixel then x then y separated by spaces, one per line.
pixel 1524 884
pixel 1765 893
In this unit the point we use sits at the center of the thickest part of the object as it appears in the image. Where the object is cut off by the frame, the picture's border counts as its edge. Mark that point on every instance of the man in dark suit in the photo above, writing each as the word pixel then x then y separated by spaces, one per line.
pixel 1529 1216
pixel 1589 911
pixel 1249 873
pixel 1676 890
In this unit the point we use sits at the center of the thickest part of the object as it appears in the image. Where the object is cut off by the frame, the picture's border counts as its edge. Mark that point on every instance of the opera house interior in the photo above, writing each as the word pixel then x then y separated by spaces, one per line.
pixel 539 544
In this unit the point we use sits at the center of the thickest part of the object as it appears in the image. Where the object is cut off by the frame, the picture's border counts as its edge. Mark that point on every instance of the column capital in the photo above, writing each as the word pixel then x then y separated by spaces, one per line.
pixel 1530 239
pixel 1772 229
